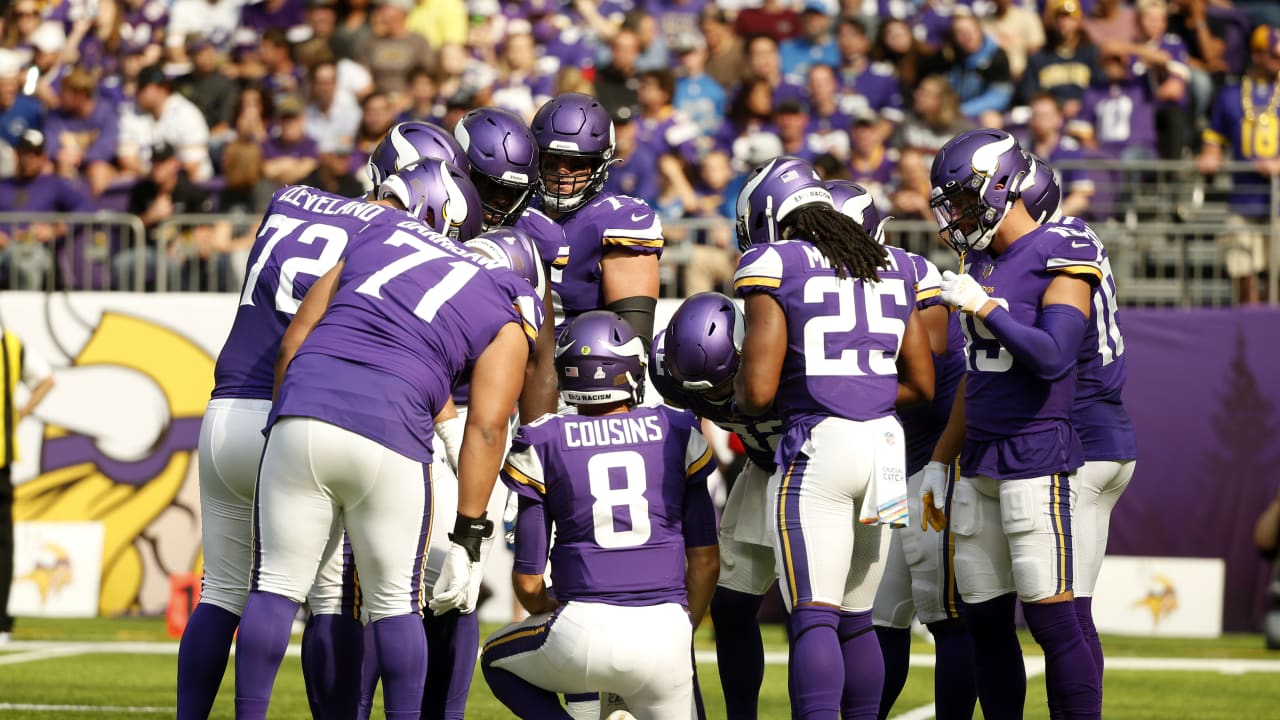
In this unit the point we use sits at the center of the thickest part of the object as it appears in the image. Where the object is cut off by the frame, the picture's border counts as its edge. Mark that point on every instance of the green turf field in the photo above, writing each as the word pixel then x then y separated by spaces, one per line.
pixel 1233 677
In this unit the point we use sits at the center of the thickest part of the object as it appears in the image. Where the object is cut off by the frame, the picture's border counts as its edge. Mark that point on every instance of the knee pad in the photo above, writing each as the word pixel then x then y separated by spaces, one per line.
pixel 1017 508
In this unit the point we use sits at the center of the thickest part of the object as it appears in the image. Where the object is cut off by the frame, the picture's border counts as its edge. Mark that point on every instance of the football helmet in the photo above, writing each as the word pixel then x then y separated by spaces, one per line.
pixel 438 194
pixel 410 141
pixel 976 178
pixel 854 201
pixel 704 342
pixel 1041 193
pixel 772 191
pixel 600 360
pixel 574 130
pixel 504 162
pixel 514 249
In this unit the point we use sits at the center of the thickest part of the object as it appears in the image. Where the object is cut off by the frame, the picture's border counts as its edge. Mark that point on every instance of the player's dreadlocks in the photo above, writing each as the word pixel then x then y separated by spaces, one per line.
pixel 850 250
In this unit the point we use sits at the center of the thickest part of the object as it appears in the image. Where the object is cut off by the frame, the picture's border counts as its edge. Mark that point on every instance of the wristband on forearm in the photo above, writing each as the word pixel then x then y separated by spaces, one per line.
pixel 469 532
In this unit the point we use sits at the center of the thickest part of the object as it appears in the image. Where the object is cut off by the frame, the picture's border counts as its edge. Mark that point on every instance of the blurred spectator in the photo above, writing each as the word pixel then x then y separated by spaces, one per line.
pixel 100 40
pixel 910 197
pixel 266 15
pixel 872 163
pixel 459 73
pixel 214 19
pixel 322 22
pixel 1119 117
pixel 145 25
pixel 1189 20
pixel 573 79
pixel 441 22
pixel 698 95
pixel 245 196
pixel 1017 30
pixel 1110 22
pixel 898 48
pixel 355 32
pixel 290 155
pixel 636 172
pixel 772 18
pixel 393 50
pixel 522 87
pixel 934 119
pixel 253 114
pixel 425 101
pixel 1047 141
pixel 47 44
pixel 333 172
pixel 283 77
pixel 25 253
pixel 653 46
pixel 160 116
pixel 679 19
pixel 377 118
pixel 616 83
pixel 749 125
pixel 976 67
pixel 166 191
pixel 793 122
pixel 21 20
pixel 1246 119
pixel 828 130
pixel 763 62
pixel 352 80
pixel 1067 64
pixel 829 167
pixel 932 21
pixel 815 44
pixel 18 112
pixel 713 256
pixel 82 134
pixel 1161 59
pixel 208 88
pixel 724 48
pixel 866 86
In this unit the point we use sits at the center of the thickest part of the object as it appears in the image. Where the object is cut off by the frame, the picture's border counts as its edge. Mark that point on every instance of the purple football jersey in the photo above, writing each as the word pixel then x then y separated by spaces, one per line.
pixel 843 336
pixel 1098 413
pixel 923 424
pixel 1018 426
pixel 549 236
pixel 411 310
pixel 609 221
pixel 627 494
pixel 1122 116
pixel 1247 137
pixel 304 233
pixel 759 435
pixel 874 88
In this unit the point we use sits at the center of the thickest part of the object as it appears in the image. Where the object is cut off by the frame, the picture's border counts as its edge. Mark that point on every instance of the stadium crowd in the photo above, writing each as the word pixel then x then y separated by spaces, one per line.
pixel 162 109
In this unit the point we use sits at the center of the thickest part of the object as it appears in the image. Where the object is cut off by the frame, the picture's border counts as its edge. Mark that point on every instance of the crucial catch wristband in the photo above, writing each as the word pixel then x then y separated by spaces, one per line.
pixel 469 532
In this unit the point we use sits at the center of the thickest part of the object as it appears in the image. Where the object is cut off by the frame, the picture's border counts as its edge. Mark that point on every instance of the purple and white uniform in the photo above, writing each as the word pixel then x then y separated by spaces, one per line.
pixel 841 454
pixel 627 494
pixel 607 221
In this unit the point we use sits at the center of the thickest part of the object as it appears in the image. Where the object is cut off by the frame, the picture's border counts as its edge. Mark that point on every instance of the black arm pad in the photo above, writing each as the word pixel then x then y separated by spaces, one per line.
pixel 638 311
pixel 470 532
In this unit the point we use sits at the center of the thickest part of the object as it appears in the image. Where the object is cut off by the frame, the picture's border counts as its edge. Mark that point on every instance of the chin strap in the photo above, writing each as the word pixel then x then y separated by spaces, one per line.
pixel 638 311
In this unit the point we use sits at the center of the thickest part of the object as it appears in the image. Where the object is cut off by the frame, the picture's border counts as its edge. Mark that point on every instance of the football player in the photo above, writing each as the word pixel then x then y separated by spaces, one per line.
pixel 918 577
pixel 634 557
pixel 304 233
pixel 834 341
pixel 614 240
pixel 1097 412
pixel 364 367
pixel 1026 296
pixel 693 364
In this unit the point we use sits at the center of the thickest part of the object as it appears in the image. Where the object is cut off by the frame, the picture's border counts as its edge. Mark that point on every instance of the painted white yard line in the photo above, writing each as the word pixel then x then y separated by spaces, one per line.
pixel 28 707
pixel 31 655
pixel 103 647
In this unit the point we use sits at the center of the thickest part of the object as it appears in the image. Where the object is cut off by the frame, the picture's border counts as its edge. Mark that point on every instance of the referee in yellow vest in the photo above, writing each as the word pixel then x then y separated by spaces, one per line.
pixel 20 364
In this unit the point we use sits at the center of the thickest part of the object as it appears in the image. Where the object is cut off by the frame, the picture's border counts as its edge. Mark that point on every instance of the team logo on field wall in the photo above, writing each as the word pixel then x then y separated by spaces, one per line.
pixel 1161 599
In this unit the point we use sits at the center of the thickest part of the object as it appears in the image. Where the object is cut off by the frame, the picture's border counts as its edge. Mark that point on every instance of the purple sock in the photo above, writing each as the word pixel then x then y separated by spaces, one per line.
pixel 264 637
pixel 1084 613
pixel 368 673
pixel 739 651
pixel 332 653
pixel 997 657
pixel 522 698
pixel 955 690
pixel 453 639
pixel 863 666
pixel 1069 673
pixel 817 664
pixel 402 658
pixel 895 650
pixel 202 659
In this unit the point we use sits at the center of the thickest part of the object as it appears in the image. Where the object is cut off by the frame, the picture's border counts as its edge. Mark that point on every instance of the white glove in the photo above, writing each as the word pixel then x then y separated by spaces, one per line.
pixel 450 434
pixel 963 292
pixel 509 514
pixel 933 497
pixel 459 583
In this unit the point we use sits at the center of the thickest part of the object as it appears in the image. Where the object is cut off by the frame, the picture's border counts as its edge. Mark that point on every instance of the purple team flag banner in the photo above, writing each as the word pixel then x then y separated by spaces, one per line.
pixel 1204 394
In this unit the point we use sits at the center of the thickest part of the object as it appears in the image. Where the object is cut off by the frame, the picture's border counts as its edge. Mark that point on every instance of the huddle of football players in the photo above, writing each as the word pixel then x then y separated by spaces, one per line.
pixel 902 459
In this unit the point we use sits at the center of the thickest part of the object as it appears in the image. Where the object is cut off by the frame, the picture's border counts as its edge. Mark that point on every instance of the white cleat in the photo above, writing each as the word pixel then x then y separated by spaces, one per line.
pixel 620 715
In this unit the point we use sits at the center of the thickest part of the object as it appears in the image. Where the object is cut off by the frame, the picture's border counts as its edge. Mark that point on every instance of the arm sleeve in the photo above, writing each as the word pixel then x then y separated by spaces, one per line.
pixel 637 310
pixel 699 522
pixel 1050 347
pixel 533 535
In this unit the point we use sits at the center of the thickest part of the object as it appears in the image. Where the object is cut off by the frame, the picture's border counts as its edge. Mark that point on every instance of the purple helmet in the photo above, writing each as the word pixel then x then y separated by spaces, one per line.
pixel 438 194
pixel 574 130
pixel 771 192
pixel 1041 193
pixel 976 178
pixel 600 360
pixel 659 377
pixel 704 342
pixel 409 142
pixel 516 250
pixel 504 162
pixel 853 200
